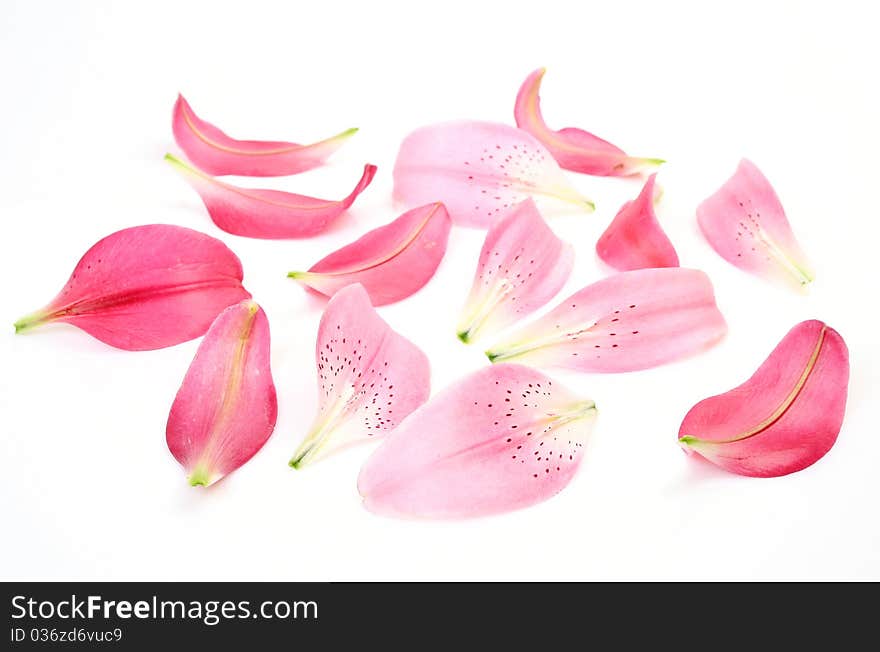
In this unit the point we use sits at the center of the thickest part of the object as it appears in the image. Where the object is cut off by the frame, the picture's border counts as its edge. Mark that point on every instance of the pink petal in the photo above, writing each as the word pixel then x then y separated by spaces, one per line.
pixel 522 266
pixel 225 409
pixel 782 419
pixel 745 223
pixel 369 377
pixel 147 287
pixel 574 149
pixel 628 321
pixel 502 438
pixel 479 170
pixel 635 239
pixel 391 262
pixel 214 152
pixel 267 213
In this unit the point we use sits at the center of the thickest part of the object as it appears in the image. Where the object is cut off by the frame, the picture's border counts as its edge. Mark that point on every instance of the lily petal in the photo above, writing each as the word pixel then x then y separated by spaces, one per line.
pixel 574 149
pixel 745 223
pixel 214 152
pixel 782 419
pixel 500 439
pixel 147 287
pixel 635 239
pixel 369 377
pixel 626 322
pixel 480 170
pixel 391 262
pixel 259 213
pixel 522 266
pixel 225 410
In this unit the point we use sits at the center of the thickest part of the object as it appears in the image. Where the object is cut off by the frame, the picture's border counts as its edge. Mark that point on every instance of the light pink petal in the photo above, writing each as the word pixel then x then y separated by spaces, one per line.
pixel 214 152
pixel 500 439
pixel 628 321
pixel 635 239
pixel 369 377
pixel 782 419
pixel 479 170
pixel 574 149
pixel 391 262
pixel 745 223
pixel 259 213
pixel 147 287
pixel 226 407
pixel 522 266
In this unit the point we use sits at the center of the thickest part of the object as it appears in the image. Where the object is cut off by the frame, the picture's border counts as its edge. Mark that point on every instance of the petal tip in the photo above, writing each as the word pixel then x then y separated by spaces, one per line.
pixel 30 321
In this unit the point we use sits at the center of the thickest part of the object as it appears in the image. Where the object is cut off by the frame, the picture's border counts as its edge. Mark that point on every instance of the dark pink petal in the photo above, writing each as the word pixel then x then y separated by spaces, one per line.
pixel 391 262
pixel 479 170
pixel 745 223
pixel 522 266
pixel 267 213
pixel 628 321
pixel 226 407
pixel 635 239
pixel 574 149
pixel 147 287
pixel 214 152
pixel 782 419
pixel 500 439
pixel 369 377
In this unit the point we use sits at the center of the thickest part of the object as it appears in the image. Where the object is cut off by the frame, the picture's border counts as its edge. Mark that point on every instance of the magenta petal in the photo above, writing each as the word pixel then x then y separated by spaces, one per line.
pixel 214 152
pixel 574 149
pixel 226 407
pixel 745 223
pixel 391 262
pixel 259 213
pixel 635 239
pixel 147 287
pixel 628 321
pixel 500 439
pixel 522 266
pixel 479 170
pixel 782 419
pixel 369 377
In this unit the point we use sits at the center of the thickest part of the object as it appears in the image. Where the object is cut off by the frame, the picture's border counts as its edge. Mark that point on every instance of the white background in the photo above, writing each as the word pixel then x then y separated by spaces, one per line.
pixel 89 489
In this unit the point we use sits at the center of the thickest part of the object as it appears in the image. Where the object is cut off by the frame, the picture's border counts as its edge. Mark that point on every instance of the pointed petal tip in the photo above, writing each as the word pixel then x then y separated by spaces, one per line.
pixel 464 336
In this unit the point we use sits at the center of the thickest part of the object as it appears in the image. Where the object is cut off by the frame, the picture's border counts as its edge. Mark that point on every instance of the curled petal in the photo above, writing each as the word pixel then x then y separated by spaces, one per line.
pixel 391 262
pixel 628 321
pixel 782 419
pixel 369 377
pixel 226 407
pixel 522 266
pixel 635 239
pixel 479 170
pixel 745 223
pixel 500 439
pixel 259 213
pixel 574 149
pixel 147 287
pixel 214 152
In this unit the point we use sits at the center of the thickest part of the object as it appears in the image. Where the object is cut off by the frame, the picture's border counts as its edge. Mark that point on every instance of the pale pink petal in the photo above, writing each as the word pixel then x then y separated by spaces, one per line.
pixel 522 266
pixel 500 439
pixel 479 170
pixel 214 152
pixel 574 149
pixel 226 407
pixel 369 377
pixel 391 262
pixel 628 321
pixel 147 287
pixel 635 239
pixel 257 213
pixel 745 223
pixel 782 419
